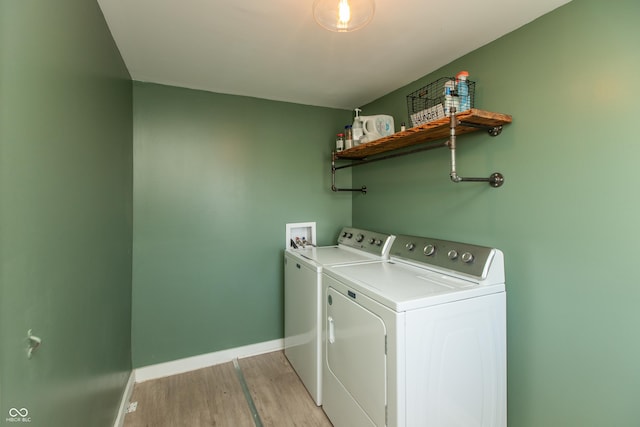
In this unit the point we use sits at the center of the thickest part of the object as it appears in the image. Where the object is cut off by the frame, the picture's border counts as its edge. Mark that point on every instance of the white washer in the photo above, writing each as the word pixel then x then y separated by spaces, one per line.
pixel 418 340
pixel 302 297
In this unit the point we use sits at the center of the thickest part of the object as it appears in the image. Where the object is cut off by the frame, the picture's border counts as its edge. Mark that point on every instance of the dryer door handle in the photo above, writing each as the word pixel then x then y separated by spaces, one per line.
pixel 332 330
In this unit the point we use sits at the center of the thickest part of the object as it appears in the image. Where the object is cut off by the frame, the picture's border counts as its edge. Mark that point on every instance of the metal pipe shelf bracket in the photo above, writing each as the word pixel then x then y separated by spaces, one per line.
pixel 495 180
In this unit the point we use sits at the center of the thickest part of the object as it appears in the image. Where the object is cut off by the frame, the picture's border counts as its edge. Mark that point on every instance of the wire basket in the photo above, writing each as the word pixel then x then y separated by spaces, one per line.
pixel 429 102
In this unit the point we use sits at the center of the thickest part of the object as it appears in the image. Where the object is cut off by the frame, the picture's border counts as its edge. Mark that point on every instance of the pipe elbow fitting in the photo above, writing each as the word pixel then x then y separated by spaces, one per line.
pixel 455 178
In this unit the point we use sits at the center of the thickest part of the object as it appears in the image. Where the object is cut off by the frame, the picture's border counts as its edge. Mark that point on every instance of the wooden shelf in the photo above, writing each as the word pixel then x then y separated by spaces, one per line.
pixel 432 131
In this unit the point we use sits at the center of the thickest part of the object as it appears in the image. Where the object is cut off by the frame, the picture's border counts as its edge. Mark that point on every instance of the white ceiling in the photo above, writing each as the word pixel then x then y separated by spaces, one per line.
pixel 273 49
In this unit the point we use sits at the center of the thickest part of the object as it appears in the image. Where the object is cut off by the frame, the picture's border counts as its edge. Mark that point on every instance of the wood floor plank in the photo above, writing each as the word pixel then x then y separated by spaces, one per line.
pixel 206 397
pixel 280 397
pixel 228 405
pixel 213 397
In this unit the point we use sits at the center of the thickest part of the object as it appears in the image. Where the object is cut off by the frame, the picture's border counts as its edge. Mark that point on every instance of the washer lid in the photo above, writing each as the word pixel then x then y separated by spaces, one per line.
pixel 403 287
pixel 331 255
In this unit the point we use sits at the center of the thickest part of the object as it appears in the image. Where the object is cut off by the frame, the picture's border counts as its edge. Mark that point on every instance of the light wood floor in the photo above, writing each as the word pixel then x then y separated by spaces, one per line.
pixel 213 397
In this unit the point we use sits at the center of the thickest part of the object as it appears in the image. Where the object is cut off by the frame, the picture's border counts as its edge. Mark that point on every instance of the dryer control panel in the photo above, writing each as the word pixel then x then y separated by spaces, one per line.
pixel 468 259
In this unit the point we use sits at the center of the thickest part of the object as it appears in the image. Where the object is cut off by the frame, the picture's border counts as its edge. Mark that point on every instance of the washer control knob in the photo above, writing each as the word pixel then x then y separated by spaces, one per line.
pixel 410 246
pixel 344 234
pixel 372 241
pixel 429 250
pixel 467 257
pixel 452 254
pixel 359 238
pixel 378 242
pixel 349 235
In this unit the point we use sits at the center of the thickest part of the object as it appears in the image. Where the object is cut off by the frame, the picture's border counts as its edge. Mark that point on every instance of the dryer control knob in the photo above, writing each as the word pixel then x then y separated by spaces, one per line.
pixel 410 246
pixel 349 235
pixel 452 254
pixel 372 241
pixel 359 238
pixel 378 242
pixel 429 250
pixel 467 257
pixel 344 234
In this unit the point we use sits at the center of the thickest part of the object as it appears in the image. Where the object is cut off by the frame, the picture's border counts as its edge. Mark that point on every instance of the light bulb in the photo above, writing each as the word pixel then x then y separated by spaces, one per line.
pixel 343 15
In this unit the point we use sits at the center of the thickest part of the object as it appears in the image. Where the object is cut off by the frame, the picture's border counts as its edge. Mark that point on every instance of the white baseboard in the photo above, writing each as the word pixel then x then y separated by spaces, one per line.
pixel 180 366
pixel 126 396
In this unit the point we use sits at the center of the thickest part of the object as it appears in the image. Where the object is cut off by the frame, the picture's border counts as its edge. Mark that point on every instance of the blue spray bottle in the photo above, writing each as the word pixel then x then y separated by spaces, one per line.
pixel 463 91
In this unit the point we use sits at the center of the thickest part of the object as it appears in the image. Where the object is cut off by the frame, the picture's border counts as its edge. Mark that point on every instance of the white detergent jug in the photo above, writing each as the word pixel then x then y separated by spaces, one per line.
pixel 375 127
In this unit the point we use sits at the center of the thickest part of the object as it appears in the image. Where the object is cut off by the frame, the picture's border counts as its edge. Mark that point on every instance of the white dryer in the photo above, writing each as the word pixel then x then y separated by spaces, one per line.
pixel 418 340
pixel 302 296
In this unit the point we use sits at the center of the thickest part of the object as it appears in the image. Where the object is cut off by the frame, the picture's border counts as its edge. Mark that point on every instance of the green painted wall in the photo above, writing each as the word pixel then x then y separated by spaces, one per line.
pixel 566 218
pixel 65 213
pixel 216 178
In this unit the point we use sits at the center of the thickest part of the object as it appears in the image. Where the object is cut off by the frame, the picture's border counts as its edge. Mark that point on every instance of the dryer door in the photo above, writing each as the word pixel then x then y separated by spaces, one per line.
pixel 356 353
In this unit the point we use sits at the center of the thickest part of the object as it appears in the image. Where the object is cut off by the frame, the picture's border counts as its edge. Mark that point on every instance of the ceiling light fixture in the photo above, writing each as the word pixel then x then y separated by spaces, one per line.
pixel 343 15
